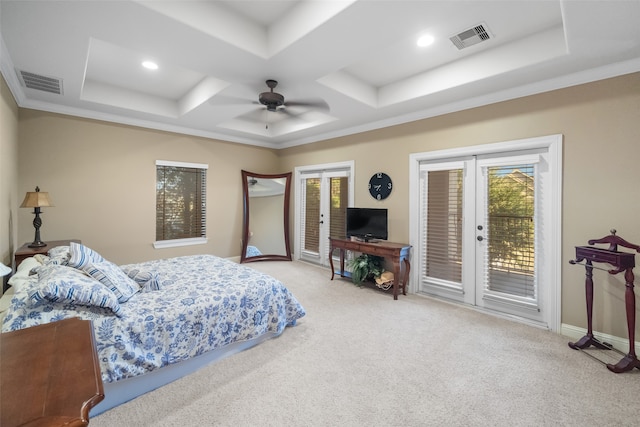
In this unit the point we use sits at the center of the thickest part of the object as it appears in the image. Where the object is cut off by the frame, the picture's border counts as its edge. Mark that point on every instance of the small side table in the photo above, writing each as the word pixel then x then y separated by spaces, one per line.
pixel 25 251
pixel 49 375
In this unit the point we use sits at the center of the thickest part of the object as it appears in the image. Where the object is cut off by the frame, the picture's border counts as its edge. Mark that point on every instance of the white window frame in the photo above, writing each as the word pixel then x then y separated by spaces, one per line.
pixel 162 244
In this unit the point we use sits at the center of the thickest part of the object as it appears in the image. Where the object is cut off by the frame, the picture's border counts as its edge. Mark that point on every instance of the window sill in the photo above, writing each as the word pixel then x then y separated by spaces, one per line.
pixel 161 244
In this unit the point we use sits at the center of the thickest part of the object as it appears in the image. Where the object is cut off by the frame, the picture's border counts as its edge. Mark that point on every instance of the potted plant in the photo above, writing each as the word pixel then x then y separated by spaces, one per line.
pixel 364 267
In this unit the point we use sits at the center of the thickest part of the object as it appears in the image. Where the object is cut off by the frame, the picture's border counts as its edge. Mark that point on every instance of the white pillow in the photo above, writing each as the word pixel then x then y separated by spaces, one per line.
pixel 27 265
pixel 113 278
pixel 23 274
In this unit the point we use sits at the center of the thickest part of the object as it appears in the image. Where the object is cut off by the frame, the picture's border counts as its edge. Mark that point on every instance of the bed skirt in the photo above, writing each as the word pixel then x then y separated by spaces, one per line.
pixel 119 392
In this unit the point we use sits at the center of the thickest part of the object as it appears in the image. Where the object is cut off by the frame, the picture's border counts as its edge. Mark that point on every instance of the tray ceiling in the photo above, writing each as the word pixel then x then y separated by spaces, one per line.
pixel 342 66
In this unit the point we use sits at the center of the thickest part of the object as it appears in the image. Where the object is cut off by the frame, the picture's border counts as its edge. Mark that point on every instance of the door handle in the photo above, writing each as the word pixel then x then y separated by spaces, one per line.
pixel 480 238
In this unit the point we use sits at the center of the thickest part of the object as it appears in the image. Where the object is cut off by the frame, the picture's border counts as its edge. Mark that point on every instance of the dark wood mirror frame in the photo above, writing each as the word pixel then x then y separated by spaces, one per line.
pixel 246 176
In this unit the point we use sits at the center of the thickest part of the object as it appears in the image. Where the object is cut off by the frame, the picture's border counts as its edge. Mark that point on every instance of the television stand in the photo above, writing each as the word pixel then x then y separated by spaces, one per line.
pixel 398 253
pixel 366 239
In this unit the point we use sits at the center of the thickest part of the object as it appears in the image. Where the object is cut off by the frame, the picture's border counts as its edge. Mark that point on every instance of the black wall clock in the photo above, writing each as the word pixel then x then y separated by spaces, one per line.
pixel 380 186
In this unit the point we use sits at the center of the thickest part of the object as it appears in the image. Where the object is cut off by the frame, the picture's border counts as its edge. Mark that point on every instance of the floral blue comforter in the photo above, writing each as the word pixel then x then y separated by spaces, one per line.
pixel 204 303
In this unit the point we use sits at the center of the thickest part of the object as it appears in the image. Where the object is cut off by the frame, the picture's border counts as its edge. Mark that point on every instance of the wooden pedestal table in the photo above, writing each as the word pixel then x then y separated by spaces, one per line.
pixel 398 253
pixel 622 262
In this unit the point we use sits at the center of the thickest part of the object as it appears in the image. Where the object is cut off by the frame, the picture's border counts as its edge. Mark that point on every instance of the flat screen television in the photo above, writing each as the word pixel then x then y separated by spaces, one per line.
pixel 367 223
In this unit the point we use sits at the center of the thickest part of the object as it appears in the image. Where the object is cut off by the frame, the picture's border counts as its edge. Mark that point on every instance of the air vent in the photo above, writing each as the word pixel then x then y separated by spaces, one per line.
pixel 472 36
pixel 39 82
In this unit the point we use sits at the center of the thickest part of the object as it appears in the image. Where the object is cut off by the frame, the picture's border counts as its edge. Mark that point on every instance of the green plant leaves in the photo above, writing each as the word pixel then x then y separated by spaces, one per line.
pixel 365 267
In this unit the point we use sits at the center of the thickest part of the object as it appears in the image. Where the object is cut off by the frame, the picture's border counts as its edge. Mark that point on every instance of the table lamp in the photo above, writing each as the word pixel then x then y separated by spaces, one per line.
pixel 36 200
pixel 4 270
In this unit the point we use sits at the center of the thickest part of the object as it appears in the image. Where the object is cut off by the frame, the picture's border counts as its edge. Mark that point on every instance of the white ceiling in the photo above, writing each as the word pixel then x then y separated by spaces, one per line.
pixel 359 59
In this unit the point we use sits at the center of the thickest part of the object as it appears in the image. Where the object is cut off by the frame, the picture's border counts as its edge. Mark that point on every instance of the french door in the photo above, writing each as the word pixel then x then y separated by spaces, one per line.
pixel 323 194
pixel 486 230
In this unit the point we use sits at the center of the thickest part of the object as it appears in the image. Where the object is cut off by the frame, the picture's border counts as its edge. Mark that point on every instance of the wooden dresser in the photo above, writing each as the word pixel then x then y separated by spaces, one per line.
pixel 49 375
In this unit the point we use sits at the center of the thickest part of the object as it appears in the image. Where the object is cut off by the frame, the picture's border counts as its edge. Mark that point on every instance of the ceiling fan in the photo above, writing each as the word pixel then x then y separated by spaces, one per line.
pixel 274 103
pixel 273 100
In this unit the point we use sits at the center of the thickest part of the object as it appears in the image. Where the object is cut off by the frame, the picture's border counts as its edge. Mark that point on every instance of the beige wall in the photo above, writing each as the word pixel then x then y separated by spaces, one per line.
pixel 8 173
pixel 101 178
pixel 601 127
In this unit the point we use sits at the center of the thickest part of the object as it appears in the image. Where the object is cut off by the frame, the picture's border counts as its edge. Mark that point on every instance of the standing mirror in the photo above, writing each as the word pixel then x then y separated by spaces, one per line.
pixel 265 229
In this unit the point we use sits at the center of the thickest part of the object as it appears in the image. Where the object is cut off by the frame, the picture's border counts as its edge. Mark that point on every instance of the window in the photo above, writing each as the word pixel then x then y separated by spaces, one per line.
pixel 444 224
pixel 180 203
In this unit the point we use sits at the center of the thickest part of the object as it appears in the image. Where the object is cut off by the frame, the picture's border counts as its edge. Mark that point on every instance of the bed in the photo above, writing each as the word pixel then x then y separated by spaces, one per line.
pixel 154 321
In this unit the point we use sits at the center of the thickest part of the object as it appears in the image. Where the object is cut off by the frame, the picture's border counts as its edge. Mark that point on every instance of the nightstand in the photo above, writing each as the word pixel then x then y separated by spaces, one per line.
pixel 25 251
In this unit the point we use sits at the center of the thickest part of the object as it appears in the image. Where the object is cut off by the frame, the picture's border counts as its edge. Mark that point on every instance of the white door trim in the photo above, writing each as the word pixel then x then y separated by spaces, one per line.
pixel 553 144
pixel 320 168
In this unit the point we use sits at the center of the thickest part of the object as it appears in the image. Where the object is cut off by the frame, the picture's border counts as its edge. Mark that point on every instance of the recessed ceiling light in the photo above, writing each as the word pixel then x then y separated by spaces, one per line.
pixel 425 40
pixel 150 65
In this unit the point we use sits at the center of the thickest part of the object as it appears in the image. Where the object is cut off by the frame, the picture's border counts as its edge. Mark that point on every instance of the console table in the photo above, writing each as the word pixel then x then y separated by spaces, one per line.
pixel 622 262
pixel 49 375
pixel 397 252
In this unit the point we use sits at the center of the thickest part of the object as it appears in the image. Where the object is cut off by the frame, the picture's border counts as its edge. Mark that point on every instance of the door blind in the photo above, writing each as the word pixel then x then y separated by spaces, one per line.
pixel 444 225
pixel 339 188
pixel 311 215
pixel 510 225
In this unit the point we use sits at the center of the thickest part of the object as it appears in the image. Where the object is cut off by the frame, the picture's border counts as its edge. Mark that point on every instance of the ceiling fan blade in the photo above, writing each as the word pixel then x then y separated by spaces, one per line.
pixel 230 100
pixel 257 115
pixel 317 103
pixel 288 113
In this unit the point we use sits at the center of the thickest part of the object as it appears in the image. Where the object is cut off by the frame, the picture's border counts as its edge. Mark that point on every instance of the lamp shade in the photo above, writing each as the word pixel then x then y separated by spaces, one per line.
pixel 36 199
pixel 4 270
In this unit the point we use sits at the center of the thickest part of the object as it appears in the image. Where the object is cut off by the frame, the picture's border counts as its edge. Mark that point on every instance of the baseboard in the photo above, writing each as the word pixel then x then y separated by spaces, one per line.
pixel 575 333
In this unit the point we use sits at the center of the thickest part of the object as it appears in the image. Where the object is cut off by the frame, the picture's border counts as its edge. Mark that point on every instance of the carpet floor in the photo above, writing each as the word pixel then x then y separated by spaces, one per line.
pixel 359 358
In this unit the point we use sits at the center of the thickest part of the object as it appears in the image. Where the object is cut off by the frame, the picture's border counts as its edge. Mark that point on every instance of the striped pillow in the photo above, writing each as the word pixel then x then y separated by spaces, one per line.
pixel 57 283
pixel 113 278
pixel 82 255
pixel 148 280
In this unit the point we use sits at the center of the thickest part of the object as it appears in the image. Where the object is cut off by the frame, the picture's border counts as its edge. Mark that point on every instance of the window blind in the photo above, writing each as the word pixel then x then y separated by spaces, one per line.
pixel 444 225
pixel 510 224
pixel 180 201
pixel 338 208
pixel 311 218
